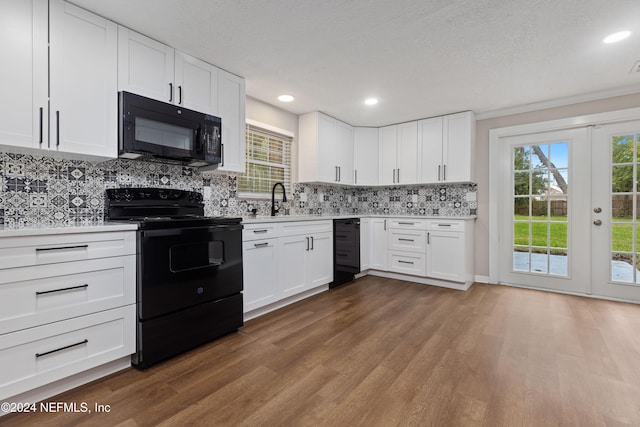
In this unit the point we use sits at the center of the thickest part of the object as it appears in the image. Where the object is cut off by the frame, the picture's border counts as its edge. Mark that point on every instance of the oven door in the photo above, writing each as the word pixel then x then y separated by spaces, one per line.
pixel 183 267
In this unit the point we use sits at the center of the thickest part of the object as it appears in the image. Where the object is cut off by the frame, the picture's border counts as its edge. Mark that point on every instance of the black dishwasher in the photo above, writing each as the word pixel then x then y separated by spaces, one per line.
pixel 346 250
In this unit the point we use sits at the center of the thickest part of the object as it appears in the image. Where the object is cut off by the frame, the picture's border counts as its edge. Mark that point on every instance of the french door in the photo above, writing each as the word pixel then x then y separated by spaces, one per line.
pixel 545 199
pixel 616 210
pixel 570 210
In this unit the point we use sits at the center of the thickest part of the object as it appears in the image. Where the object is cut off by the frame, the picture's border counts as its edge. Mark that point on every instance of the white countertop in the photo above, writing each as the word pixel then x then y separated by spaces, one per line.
pixel 287 218
pixel 67 229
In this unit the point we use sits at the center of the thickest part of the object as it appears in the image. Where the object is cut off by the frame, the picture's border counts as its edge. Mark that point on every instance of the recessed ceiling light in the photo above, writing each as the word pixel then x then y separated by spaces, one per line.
pixel 286 98
pixel 371 101
pixel 616 37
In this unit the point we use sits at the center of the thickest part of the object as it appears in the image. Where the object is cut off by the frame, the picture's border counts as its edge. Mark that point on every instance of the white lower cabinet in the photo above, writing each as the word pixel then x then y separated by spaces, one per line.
pixel 284 259
pixel 67 304
pixel 449 250
pixel 378 245
pixel 260 269
pixel 365 244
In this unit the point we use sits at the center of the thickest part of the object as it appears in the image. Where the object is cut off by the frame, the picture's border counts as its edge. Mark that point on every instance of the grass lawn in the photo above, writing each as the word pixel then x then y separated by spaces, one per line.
pixel 621 233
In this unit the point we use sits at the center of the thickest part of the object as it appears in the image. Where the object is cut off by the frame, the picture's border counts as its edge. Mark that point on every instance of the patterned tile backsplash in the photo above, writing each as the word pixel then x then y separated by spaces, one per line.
pixel 40 191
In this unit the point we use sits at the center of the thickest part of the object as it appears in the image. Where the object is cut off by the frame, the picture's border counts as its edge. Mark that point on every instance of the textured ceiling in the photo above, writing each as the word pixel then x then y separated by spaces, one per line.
pixel 421 58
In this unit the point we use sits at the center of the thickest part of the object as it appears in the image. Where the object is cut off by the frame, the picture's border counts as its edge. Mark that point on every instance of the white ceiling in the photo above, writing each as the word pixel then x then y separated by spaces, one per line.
pixel 421 58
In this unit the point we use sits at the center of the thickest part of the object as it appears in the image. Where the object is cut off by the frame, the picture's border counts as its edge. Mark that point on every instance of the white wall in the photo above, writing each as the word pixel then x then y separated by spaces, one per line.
pixel 482 157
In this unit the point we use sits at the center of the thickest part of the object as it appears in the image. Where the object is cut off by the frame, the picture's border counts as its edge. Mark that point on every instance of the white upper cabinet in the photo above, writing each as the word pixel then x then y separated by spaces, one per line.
pixel 23 48
pixel 365 156
pixel 231 109
pixel 145 67
pixel 325 150
pixel 149 68
pixel 196 84
pixel 83 81
pixel 398 154
pixel 447 148
pixel 63 97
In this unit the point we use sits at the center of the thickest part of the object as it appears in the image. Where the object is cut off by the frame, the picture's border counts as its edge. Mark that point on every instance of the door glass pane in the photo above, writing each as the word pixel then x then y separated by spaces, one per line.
pixel 540 205
pixel 625 225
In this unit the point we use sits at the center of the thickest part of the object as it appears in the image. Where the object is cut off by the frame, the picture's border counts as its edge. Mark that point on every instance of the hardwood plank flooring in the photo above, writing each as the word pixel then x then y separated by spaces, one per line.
pixel 382 352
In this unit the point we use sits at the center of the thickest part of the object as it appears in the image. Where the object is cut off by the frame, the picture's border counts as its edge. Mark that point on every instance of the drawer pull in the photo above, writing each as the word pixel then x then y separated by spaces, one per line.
pixel 62 289
pixel 405 262
pixel 62 248
pixel 259 231
pixel 444 225
pixel 261 245
pixel 62 348
pixel 406 223
pixel 406 240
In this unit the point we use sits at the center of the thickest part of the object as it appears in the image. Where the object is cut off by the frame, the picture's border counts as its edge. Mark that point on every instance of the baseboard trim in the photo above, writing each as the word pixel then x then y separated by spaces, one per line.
pixel 422 280
pixel 481 279
pixel 284 302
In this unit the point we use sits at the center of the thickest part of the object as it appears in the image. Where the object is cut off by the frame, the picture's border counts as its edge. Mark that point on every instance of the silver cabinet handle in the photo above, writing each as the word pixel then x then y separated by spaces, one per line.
pixel 439 172
pixel 170 92
pixel 221 154
pixel 355 176
pixel 307 243
pixel 406 240
pixel 444 172
pixel 312 243
pixel 62 348
pixel 180 95
pixel 405 262
pixel 428 238
pixel 62 289
pixel 406 223
pixel 444 225
pixel 260 231
pixel 385 225
pixel 398 175
pixel 261 245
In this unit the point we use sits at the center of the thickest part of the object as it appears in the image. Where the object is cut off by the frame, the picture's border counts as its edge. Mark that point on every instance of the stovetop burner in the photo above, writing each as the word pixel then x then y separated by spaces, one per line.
pixel 159 208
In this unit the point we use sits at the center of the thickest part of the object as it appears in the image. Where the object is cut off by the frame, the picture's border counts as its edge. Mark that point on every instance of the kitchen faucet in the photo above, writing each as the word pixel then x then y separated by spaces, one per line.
pixel 273 197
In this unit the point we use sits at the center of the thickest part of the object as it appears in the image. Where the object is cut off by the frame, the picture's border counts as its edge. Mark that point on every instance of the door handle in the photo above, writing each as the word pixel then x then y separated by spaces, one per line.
pixel 597 222
pixel 597 210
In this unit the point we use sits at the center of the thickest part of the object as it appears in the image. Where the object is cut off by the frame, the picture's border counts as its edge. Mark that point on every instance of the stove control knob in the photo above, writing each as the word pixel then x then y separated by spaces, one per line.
pixel 162 195
pixel 127 196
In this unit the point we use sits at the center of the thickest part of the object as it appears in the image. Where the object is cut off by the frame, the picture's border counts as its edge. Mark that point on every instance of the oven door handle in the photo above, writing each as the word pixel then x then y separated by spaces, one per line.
pixel 181 231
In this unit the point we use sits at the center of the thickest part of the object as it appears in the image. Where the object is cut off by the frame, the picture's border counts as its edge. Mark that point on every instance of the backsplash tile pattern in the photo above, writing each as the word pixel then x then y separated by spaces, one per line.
pixel 39 191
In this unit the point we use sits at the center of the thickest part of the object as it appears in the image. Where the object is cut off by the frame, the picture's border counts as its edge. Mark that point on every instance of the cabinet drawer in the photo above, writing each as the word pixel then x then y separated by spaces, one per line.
pixel 445 225
pixel 258 231
pixel 31 296
pixel 296 228
pixel 410 240
pixel 22 251
pixel 41 355
pixel 407 263
pixel 408 224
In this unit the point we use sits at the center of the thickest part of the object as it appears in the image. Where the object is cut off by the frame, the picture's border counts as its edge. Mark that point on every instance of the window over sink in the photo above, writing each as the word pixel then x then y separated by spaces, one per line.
pixel 268 157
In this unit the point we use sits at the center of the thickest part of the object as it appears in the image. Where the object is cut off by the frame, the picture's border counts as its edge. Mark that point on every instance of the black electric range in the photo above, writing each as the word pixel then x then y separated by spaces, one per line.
pixel 189 270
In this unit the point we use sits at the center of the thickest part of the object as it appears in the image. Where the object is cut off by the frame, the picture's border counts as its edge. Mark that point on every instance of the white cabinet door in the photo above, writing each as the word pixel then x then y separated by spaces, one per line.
pixel 365 156
pixel 260 273
pixel 407 153
pixel 388 154
pixel 196 84
pixel 458 147
pixel 145 66
pixel 326 150
pixel 231 109
pixel 319 265
pixel 446 255
pixel 344 152
pixel 23 49
pixel 365 244
pixel 292 254
pixel 83 81
pixel 379 238
pixel 430 150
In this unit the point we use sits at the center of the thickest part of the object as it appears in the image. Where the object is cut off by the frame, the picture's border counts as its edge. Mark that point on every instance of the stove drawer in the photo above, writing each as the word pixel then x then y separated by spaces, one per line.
pixel 37 356
pixel 31 296
pixel 24 251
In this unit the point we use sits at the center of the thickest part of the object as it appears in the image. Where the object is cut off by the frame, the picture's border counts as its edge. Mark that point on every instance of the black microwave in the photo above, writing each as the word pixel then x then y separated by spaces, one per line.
pixel 150 128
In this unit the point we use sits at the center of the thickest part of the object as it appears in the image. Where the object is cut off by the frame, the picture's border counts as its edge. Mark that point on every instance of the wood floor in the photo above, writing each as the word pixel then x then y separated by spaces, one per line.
pixel 382 352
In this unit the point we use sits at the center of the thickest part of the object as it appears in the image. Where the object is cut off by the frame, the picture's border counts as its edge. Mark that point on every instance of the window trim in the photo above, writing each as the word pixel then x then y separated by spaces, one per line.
pixel 278 131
